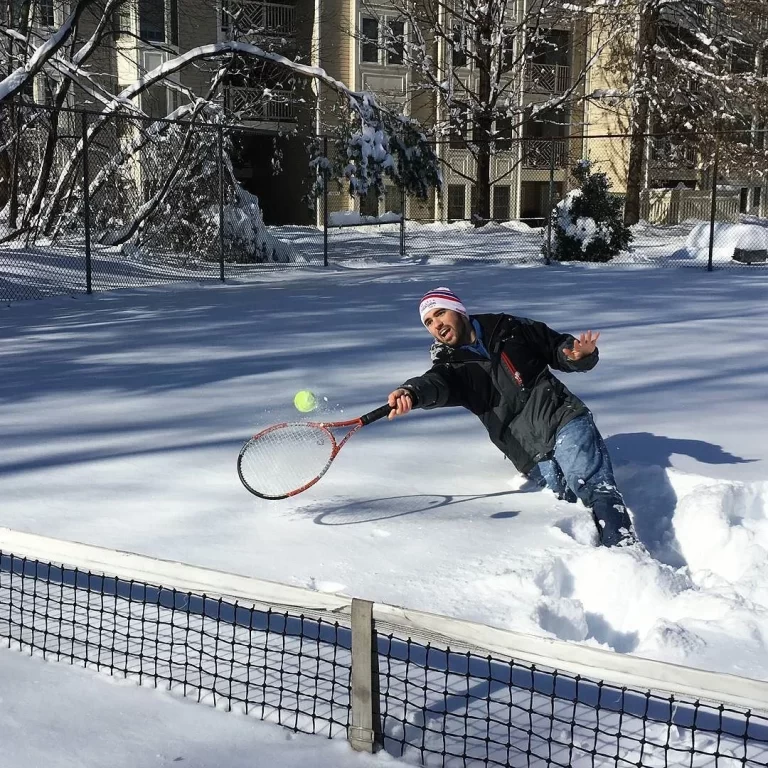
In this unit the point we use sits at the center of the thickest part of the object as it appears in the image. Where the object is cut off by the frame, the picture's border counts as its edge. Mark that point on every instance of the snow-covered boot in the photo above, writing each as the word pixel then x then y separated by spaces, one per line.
pixel 614 525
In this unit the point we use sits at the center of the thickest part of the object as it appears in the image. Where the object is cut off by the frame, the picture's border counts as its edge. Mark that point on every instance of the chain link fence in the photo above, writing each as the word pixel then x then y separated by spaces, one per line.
pixel 93 202
pixel 701 200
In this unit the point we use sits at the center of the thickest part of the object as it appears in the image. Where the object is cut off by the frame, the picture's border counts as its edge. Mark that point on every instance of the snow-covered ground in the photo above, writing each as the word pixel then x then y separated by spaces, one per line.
pixel 121 416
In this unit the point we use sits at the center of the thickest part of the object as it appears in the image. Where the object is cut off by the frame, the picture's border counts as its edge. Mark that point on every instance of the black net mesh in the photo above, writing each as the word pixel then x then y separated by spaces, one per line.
pixel 452 708
pixel 286 668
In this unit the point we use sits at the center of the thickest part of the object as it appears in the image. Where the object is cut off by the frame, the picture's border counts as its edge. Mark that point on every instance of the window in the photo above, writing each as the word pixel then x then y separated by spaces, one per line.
pixel 16 8
pixel 547 123
pixel 473 206
pixel 742 59
pixel 756 194
pixel 549 46
pixel 393 200
pixel 370 47
pixel 459 47
pixel 456 196
pixel 174 100
pixel 743 199
pixel 121 20
pixel 45 13
pixel 152 20
pixel 174 20
pixel 369 204
pixel 504 134
pixel 459 133
pixel 501 202
pixel 154 101
pixel 383 40
pixel 396 43
pixel 46 90
pixel 508 50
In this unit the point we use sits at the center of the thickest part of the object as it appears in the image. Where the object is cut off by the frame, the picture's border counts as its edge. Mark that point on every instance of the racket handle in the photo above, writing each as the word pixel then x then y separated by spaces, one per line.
pixel 379 413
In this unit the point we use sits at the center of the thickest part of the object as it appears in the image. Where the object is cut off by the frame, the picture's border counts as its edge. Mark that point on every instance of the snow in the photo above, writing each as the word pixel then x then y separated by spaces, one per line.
pixel 728 237
pixel 53 715
pixel 122 414
pixel 353 218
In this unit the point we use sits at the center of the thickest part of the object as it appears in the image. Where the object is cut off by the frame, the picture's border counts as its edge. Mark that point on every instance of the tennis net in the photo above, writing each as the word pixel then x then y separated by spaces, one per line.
pixel 444 692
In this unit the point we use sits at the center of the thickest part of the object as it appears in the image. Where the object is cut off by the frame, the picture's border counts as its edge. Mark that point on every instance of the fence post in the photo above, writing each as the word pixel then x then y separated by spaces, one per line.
pixel 220 143
pixel 548 251
pixel 402 222
pixel 13 201
pixel 713 211
pixel 86 204
pixel 363 728
pixel 325 202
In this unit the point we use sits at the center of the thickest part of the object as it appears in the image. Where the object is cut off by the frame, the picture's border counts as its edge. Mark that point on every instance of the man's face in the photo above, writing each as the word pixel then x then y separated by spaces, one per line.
pixel 447 326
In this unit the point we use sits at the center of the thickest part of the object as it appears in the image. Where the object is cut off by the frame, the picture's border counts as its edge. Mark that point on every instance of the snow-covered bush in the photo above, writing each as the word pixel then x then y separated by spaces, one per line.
pixel 171 175
pixel 246 239
pixel 587 225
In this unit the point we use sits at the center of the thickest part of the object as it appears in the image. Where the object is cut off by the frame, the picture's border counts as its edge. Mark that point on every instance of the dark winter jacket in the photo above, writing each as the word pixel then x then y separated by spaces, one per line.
pixel 514 394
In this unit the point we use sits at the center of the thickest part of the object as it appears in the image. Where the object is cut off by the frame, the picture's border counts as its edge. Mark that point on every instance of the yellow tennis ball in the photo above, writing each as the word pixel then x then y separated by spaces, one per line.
pixel 305 401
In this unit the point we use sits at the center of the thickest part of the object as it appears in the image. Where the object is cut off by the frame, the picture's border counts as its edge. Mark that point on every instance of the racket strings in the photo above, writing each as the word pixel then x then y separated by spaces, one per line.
pixel 285 459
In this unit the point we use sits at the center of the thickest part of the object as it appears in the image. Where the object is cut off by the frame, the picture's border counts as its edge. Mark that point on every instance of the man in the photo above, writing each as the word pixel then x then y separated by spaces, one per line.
pixel 498 367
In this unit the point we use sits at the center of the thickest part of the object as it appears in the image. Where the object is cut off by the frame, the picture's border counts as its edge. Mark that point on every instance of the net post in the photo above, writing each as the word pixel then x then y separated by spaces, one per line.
pixel 362 731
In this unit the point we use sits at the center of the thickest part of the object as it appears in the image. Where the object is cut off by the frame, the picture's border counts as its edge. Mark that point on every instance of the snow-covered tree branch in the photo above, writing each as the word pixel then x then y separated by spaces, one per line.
pixel 691 68
pixel 379 142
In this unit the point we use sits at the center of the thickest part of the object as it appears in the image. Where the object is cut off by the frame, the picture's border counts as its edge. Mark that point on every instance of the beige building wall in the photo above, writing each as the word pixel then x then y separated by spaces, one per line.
pixel 607 120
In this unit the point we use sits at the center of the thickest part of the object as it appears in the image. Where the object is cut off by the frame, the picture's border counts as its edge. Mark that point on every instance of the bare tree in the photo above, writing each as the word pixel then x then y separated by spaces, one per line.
pixel 690 68
pixel 476 60
pixel 400 146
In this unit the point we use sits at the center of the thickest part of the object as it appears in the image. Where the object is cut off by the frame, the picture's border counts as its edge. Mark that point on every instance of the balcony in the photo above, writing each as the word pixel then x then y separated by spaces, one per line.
pixel 547 78
pixel 666 154
pixel 544 154
pixel 254 104
pixel 251 18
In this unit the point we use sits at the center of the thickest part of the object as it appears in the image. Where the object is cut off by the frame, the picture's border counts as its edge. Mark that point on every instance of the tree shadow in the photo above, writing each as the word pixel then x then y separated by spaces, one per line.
pixel 641 460
pixel 373 510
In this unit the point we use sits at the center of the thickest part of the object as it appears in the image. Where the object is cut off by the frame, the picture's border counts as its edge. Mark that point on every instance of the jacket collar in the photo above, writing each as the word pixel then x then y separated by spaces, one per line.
pixel 442 353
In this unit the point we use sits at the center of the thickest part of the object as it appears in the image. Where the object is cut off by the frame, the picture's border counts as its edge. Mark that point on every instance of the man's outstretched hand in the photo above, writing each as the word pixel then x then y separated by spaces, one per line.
pixel 583 346
pixel 400 401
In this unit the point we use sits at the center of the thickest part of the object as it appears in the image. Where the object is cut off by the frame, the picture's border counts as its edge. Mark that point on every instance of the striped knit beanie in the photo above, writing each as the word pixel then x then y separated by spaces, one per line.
pixel 443 298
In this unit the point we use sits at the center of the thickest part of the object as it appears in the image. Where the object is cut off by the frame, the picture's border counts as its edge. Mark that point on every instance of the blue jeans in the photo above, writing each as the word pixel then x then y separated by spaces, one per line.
pixel 580 467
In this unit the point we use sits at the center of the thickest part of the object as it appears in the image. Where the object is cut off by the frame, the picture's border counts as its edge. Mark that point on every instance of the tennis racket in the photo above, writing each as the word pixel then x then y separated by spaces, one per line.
pixel 286 459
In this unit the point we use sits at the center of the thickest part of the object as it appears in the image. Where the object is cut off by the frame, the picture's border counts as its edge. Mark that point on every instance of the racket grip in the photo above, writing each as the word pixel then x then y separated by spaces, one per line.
pixel 379 413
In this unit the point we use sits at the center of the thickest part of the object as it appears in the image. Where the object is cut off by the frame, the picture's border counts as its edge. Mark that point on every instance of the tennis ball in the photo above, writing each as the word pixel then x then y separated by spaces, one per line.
pixel 305 401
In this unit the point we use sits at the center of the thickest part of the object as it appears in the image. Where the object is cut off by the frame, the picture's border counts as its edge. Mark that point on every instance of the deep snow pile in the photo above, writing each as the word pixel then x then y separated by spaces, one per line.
pixel 727 238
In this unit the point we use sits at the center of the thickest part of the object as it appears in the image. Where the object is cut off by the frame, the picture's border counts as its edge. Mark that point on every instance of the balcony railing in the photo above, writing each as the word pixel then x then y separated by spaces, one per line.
pixel 671 155
pixel 254 104
pixel 545 153
pixel 251 17
pixel 547 78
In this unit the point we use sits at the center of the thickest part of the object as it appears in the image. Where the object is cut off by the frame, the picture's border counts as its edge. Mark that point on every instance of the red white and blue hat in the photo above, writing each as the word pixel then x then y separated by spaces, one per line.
pixel 441 298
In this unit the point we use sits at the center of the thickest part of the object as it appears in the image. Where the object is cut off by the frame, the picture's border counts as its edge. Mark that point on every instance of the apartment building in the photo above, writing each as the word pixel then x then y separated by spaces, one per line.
pixel 357 43
pixel 677 175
